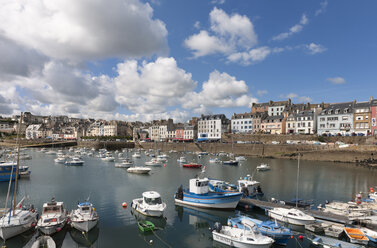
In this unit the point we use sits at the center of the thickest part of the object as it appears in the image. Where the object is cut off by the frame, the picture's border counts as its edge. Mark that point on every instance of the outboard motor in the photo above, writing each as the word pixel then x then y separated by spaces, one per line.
pixel 217 227
pixel 179 194
pixel 245 192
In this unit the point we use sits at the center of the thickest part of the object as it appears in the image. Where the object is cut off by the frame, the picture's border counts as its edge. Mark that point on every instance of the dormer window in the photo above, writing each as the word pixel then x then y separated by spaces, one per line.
pixel 336 111
pixel 346 110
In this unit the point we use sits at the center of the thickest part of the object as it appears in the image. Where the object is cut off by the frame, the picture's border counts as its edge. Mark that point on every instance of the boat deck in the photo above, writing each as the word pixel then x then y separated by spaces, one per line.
pixel 315 213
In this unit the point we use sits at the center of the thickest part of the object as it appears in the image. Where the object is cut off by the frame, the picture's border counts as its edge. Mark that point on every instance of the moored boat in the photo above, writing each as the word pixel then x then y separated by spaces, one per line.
pixel 126 163
pixel 263 167
pixel 74 161
pixel 198 195
pixel 291 216
pixel 323 241
pixel 237 237
pixel 84 218
pixel 139 170
pixel 214 160
pixel 150 204
pixel 279 233
pixel 355 235
pixel 192 165
pixel 44 241
pixel 182 160
pixel 230 162
pixel 153 162
pixel 53 218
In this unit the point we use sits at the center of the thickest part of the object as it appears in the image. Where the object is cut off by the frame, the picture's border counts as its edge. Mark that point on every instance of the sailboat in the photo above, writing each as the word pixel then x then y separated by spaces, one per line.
pixel 294 215
pixel 21 219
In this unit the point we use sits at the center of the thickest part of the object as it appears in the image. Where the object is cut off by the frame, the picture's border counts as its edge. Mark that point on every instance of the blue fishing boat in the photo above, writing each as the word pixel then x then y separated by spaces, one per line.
pixel 272 229
pixel 198 195
pixel 7 171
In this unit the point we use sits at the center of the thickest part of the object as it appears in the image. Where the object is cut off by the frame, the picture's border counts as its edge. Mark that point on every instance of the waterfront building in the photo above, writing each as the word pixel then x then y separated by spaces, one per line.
pixel 277 108
pixel 257 121
pixel 362 118
pixel 273 124
pixel 242 123
pixel 35 131
pixel 190 132
pixel 305 122
pixel 179 131
pixel 154 131
pixel 374 117
pixel 259 107
pixel 290 123
pixel 211 127
pixel 336 119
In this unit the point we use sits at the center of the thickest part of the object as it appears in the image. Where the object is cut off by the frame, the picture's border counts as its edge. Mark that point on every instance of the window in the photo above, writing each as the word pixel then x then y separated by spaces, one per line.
pixel 309 124
pixel 322 119
pixel 345 118
pixel 332 125
pixel 289 125
pixel 322 125
pixel 366 117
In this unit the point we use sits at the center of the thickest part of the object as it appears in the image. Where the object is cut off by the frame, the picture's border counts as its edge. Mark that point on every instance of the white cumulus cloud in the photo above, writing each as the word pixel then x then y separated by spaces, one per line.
pixel 86 29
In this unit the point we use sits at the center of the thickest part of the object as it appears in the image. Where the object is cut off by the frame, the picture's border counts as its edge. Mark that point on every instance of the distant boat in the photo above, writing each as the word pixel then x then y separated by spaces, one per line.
pixel 84 218
pixel 153 162
pixel 139 170
pixel 74 161
pixel 150 204
pixel 240 158
pixel 214 160
pixel 263 167
pixel 60 160
pixel 182 160
pixel 126 163
pixel 198 195
pixel 192 165
pixel 237 237
pixel 230 162
pixel 108 158
pixel 136 155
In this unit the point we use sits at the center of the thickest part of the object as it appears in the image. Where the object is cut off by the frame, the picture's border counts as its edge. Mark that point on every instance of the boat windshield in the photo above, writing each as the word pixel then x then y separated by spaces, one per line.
pixel 54 209
pixel 85 208
pixel 202 184
pixel 153 201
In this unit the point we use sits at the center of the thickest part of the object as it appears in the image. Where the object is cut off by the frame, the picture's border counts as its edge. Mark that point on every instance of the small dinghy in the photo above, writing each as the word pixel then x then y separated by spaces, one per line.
pixel 263 167
pixel 323 241
pixel 237 237
pixel 192 165
pixel 145 226
pixel 333 230
pixel 356 236
pixel 372 235
pixel 150 204
pixel 44 242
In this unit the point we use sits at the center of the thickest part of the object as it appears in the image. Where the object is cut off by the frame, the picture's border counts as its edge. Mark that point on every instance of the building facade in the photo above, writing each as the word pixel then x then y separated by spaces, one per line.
pixel 273 124
pixel 373 123
pixel 211 127
pixel 242 123
pixel 336 119
pixel 362 118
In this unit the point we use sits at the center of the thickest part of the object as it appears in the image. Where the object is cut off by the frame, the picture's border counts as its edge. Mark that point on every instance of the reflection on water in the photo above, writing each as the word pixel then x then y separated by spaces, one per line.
pixel 83 239
pixel 159 222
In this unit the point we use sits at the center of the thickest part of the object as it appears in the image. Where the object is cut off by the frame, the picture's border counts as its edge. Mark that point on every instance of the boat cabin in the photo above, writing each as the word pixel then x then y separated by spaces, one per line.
pixel 53 207
pixel 249 184
pixel 85 207
pixel 199 186
pixel 151 198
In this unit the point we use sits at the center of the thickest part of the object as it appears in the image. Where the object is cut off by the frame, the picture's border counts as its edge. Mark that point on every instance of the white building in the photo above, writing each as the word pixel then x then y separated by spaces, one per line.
pixel 242 123
pixel 211 127
pixel 35 131
pixel 190 133
pixel 277 108
pixel 337 119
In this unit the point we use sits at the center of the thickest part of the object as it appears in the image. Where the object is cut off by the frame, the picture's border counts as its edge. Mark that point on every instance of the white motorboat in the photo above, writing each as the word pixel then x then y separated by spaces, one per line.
pixel 53 217
pixel 44 241
pixel 154 162
pixel 108 158
pixel 136 155
pixel 51 152
pixel 162 158
pixel 237 237
pixel 74 161
pixel 19 222
pixel 60 160
pixel 126 163
pixel 240 158
pixel 249 187
pixel 214 160
pixel 139 170
pixel 182 160
pixel 263 167
pixel 84 218
pixel 291 216
pixel 150 204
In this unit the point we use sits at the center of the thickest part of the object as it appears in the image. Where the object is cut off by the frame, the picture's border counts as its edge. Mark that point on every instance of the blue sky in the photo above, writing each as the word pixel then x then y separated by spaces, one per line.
pixel 144 60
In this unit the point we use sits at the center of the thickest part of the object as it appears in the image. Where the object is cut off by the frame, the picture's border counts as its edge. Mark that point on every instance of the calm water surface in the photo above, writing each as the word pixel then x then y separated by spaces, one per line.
pixel 108 187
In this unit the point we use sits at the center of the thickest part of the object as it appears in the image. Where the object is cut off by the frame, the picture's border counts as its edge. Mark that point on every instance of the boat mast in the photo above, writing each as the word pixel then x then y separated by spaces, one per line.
pixel 18 165
pixel 298 173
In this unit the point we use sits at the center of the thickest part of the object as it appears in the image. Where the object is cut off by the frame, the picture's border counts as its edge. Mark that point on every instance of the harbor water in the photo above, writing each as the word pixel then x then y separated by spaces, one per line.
pixel 108 187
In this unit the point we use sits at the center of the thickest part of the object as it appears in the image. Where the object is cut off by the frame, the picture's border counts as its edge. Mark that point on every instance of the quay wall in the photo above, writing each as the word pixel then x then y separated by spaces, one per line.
pixel 109 145
pixel 360 155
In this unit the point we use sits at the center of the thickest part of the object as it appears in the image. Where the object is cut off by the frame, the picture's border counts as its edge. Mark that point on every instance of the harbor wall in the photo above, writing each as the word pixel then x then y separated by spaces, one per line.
pixel 109 145
pixel 360 155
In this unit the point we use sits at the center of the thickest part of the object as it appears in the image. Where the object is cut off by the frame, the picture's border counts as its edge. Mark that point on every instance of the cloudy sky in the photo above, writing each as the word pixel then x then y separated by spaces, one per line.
pixel 143 60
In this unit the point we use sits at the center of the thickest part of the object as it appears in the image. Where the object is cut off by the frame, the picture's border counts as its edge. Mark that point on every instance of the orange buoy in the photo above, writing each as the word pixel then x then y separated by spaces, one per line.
pixel 124 204
pixel 292 237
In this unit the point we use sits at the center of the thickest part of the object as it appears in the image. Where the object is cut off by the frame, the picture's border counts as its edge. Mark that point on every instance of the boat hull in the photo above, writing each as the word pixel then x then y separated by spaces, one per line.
pixel 51 229
pixel 225 202
pixel 224 239
pixel 280 217
pixel 9 231
pixel 84 226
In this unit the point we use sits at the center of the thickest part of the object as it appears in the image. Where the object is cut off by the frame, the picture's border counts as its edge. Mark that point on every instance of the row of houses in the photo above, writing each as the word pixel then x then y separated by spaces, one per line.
pixel 284 117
